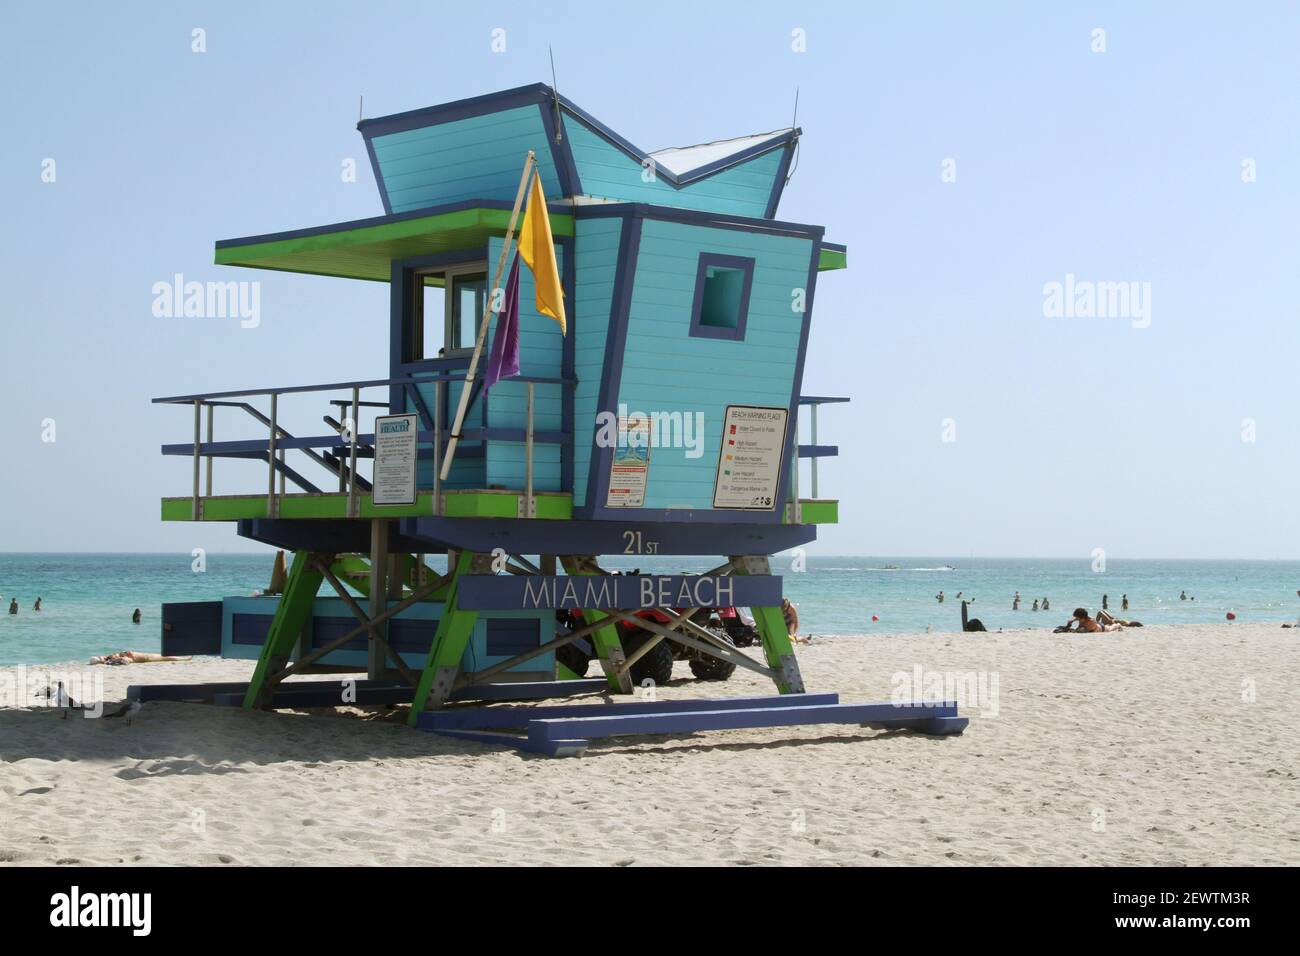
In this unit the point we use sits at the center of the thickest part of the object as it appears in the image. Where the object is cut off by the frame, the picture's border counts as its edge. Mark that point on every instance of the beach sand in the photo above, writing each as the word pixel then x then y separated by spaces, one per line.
pixel 1172 745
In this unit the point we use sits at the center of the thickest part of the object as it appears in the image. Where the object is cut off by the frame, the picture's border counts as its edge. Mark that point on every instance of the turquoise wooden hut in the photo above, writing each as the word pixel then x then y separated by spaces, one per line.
pixel 663 423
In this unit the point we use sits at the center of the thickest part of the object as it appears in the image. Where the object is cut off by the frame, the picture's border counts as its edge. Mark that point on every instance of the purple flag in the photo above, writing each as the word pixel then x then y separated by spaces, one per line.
pixel 504 360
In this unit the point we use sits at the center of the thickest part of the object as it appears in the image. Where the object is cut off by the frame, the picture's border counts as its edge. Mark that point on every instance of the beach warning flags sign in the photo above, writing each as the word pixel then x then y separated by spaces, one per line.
pixel 537 249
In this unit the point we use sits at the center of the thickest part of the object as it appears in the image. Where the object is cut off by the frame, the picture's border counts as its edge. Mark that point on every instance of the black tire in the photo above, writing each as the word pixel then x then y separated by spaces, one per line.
pixel 706 667
pixel 574 658
pixel 657 663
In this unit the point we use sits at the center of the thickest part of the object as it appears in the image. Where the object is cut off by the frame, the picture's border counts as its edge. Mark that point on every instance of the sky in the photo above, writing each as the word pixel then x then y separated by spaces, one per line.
pixel 969 155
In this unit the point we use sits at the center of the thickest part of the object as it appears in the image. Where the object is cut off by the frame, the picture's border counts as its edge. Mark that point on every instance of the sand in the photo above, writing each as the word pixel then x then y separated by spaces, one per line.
pixel 1172 745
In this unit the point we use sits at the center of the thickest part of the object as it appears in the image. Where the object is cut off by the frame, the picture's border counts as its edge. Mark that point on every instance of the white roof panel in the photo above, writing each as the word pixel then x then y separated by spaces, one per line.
pixel 683 159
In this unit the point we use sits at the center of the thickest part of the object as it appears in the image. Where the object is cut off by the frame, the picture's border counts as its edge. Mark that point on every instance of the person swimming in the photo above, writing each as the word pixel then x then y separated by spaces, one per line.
pixel 1046 606
pixel 1123 602
pixel 1183 596
pixel 939 597
pixel 13 606
pixel 135 618
pixel 1015 602
pixel 37 605
pixel 1035 607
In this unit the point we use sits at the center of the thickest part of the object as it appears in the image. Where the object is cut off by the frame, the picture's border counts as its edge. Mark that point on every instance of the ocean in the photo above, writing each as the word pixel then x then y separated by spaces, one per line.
pixel 88 599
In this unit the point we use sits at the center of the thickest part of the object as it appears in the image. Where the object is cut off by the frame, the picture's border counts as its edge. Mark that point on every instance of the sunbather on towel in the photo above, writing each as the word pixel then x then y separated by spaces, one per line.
pixel 135 657
pixel 1081 623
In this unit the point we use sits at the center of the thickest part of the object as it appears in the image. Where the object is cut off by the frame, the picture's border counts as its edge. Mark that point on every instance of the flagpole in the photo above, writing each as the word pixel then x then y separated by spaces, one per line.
pixel 463 405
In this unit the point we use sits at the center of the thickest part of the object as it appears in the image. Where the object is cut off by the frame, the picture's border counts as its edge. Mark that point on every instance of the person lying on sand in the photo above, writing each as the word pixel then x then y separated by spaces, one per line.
pixel 1081 623
pixel 1105 617
pixel 135 657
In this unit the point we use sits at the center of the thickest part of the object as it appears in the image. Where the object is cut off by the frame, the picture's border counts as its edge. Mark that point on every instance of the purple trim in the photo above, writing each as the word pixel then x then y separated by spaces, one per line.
pixel 782 492
pixel 333 535
pixel 310 231
pixel 819 451
pixel 537 94
pixel 612 372
pixel 680 532
pixel 697 217
pixel 374 383
pixel 568 359
pixel 676 180
pixel 455 110
pixel 566 170
pixel 507 592
pixel 378 173
pixel 743 264
pixel 782 172
pixel 821 400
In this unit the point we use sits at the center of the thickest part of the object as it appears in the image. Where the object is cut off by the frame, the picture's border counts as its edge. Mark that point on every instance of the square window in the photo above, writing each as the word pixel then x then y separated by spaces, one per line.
pixel 722 287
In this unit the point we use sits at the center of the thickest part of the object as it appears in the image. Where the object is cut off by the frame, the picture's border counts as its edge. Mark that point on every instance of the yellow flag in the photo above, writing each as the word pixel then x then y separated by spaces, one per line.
pixel 538 250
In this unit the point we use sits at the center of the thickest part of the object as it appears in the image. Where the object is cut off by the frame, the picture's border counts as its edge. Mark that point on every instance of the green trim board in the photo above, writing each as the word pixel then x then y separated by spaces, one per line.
pixel 366 250
pixel 353 251
pixel 301 585
pixel 818 511
pixel 457 504
pixel 832 259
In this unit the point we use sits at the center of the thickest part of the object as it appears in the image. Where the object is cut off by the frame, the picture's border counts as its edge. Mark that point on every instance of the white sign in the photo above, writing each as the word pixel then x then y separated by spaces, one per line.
pixel 629 470
pixel 396 438
pixel 749 461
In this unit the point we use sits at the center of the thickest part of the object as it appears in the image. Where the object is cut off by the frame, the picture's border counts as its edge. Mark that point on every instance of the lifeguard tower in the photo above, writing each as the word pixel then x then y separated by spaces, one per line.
pixel 663 423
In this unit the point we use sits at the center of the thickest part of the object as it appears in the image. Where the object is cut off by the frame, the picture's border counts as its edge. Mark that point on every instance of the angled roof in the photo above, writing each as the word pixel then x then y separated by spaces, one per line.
pixel 472 148
pixel 448 176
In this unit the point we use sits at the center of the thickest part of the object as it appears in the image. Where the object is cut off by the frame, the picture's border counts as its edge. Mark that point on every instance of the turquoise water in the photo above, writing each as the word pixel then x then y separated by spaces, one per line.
pixel 88 598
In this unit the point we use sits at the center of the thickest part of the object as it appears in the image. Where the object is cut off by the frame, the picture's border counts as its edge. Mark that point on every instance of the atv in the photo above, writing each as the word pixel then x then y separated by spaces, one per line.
pixel 656 664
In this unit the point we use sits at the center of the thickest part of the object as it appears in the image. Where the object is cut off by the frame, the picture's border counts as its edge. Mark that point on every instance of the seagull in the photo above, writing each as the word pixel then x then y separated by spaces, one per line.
pixel 62 699
pixel 128 710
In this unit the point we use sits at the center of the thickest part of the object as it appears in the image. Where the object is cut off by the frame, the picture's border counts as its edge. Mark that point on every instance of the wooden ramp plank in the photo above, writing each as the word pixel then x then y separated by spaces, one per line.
pixel 477 718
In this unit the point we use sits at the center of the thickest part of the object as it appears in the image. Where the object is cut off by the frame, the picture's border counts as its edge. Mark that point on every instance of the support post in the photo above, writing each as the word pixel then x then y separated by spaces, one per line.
pixel 813 465
pixel 211 409
pixel 438 402
pixel 796 516
pixel 270 463
pixel 770 622
pixel 352 461
pixel 300 587
pixel 455 629
pixel 376 660
pixel 530 505
pixel 609 649
pixel 194 505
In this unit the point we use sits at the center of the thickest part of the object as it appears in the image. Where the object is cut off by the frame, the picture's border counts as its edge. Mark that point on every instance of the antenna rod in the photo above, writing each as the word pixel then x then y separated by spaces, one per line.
pixel 555 93
pixel 361 103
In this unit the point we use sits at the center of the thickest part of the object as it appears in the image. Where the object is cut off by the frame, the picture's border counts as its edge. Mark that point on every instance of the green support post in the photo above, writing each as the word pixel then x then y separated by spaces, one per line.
pixel 609 649
pixel 291 616
pixel 770 622
pixel 448 648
